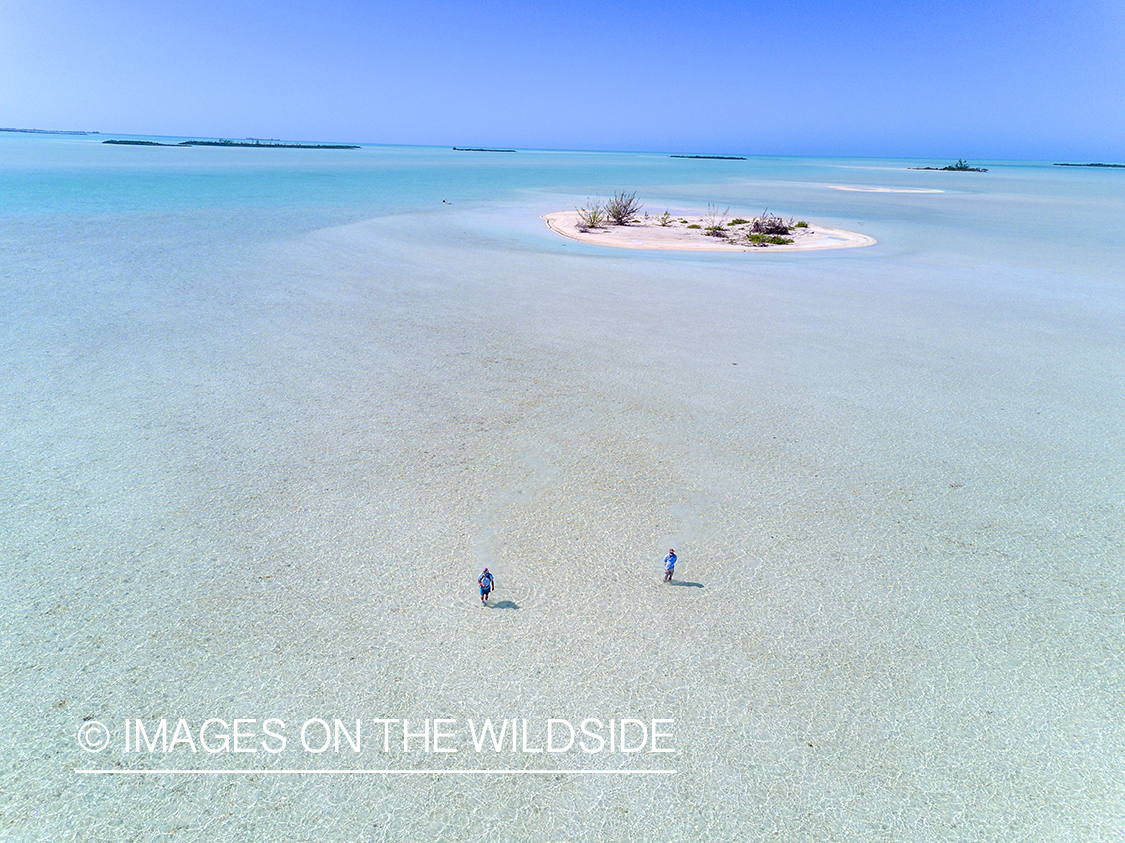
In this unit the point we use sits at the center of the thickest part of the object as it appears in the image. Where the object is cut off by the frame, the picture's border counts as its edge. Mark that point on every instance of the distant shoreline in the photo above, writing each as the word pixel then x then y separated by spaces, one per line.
pixel 253 144
pixel 50 132
pixel 479 149
pixel 1106 166
pixel 712 157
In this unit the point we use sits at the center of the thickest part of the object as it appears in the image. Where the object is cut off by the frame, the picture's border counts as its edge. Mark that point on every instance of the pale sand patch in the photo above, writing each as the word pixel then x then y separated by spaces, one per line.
pixel 650 234
pixel 886 189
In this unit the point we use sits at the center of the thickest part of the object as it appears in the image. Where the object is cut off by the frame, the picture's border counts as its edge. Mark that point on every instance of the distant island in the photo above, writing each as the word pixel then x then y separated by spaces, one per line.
pixel 1110 166
pixel 712 157
pixel 255 144
pixel 962 166
pixel 479 149
pixel 48 132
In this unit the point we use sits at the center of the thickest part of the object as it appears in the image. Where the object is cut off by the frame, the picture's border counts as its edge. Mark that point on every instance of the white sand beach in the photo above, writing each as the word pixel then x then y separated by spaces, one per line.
pixel 688 232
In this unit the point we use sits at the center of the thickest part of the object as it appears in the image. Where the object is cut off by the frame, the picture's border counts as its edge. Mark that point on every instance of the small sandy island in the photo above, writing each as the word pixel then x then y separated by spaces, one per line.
pixel 690 233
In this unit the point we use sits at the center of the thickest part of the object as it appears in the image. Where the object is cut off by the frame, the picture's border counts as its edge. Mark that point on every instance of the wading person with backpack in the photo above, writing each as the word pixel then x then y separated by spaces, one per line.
pixel 486 585
pixel 669 565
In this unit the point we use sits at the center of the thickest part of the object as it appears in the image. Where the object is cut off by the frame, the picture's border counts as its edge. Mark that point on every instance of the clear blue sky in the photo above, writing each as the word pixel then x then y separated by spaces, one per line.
pixel 1024 79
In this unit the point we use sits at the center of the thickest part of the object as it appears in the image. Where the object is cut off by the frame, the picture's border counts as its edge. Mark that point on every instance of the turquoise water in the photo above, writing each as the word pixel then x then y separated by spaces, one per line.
pixel 268 413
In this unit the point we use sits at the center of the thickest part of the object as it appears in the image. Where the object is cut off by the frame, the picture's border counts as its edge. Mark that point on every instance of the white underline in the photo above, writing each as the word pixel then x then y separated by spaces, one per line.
pixel 377 772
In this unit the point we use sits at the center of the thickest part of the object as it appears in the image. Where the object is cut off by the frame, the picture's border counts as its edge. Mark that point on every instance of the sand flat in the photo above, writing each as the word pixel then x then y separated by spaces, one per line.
pixel 860 189
pixel 648 233
pixel 259 479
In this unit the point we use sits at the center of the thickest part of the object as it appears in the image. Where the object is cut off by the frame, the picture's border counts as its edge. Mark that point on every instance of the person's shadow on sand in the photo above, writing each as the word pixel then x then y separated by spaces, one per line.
pixel 503 604
pixel 684 583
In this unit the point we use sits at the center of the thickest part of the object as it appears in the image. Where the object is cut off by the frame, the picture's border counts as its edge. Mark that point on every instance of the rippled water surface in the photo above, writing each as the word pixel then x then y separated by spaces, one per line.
pixel 267 413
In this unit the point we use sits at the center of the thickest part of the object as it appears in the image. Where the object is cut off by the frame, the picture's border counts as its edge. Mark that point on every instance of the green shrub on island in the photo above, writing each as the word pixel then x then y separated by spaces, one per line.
pixel 623 208
pixel 591 215
pixel 739 221
pixel 665 219
pixel 768 239
pixel 694 225
pixel 801 224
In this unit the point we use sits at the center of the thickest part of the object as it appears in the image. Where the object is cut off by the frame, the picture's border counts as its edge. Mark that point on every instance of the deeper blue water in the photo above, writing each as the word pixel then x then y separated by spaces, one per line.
pixel 267 412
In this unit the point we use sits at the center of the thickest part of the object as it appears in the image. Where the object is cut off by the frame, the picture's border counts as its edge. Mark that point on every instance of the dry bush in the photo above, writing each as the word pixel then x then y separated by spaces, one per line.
pixel 623 208
pixel 769 223
pixel 716 222
pixel 591 215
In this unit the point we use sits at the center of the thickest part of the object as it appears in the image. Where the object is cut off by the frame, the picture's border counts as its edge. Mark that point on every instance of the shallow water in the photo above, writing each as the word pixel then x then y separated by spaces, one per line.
pixel 268 413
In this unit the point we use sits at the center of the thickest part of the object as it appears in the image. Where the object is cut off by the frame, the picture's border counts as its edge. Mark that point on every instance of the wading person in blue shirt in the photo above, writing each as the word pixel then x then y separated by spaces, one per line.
pixel 486 583
pixel 669 565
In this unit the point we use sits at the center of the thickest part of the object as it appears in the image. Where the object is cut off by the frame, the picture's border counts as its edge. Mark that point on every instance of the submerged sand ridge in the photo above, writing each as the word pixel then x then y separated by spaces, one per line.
pixel 689 233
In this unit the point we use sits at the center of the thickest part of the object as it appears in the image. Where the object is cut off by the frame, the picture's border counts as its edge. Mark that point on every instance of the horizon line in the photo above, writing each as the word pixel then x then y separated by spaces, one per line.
pixel 637 151
pixel 378 771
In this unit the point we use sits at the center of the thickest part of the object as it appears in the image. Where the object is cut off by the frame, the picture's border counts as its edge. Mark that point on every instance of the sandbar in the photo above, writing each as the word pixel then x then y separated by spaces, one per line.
pixel 648 233
pixel 886 189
